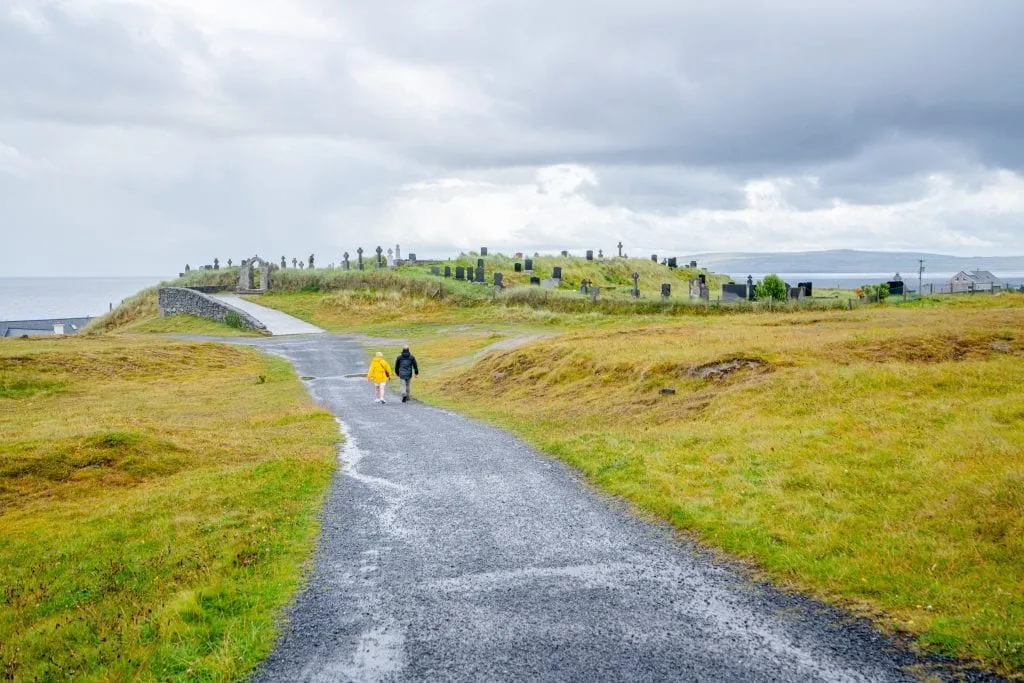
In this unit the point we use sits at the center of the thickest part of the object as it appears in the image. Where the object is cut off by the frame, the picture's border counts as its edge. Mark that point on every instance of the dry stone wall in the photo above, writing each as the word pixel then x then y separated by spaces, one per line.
pixel 179 301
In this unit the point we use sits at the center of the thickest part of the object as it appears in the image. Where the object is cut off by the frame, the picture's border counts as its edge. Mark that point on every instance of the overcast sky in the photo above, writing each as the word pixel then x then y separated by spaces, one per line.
pixel 140 135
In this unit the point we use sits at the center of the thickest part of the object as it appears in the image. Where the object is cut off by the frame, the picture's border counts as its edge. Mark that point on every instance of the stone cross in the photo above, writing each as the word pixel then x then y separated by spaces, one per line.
pixel 379 252
pixel 600 253
pixel 391 258
pixel 750 287
pixel 284 262
pixel 636 285
pixel 359 253
pixel 344 263
pixel 620 249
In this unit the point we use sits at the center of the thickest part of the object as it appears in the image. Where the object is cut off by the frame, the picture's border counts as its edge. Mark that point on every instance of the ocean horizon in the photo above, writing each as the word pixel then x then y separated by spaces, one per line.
pixel 41 298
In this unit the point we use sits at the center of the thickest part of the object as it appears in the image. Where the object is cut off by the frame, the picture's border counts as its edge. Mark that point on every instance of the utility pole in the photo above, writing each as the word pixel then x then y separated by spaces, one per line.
pixel 920 278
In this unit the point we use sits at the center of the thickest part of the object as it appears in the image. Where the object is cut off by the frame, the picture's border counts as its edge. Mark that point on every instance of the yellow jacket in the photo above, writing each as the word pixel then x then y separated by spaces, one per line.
pixel 379 371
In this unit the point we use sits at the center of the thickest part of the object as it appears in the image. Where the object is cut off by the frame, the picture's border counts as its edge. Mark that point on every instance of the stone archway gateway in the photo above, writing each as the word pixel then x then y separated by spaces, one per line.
pixel 245 283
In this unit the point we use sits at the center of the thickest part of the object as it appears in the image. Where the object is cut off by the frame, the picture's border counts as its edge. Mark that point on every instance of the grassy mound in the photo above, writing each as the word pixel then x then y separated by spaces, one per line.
pixel 157 500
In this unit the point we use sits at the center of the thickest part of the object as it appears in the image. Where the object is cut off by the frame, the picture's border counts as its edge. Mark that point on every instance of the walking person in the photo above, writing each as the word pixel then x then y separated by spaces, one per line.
pixel 406 368
pixel 380 374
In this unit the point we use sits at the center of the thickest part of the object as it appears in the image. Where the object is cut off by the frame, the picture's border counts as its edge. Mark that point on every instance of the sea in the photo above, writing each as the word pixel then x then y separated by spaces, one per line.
pixel 42 298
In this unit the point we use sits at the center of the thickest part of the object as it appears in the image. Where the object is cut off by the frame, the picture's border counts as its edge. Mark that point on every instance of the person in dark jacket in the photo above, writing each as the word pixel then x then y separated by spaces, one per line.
pixel 406 368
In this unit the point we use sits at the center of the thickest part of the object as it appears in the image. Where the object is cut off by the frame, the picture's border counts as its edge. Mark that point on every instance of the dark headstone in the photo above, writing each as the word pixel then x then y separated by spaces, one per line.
pixel 435 270
pixel 654 257
pixel 359 253
pixel 795 293
pixel 447 271
pixel 412 258
pixel 535 280
pixel 565 254
pixel 600 253
pixel 734 292
pixel 590 255
pixel 344 262
pixel 460 273
pixel 380 260
pixel 666 290
pixel 499 281
pixel 556 272
pixel 479 263
pixel 519 267
pixel 480 275
pixel 529 265
pixel 896 287
pixel 620 249
pixel 693 264
pixel 808 288
pixel 636 285
pixel 483 251
pixel 673 263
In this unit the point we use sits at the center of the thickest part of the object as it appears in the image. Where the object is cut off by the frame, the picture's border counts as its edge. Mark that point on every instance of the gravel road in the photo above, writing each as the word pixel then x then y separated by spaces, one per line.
pixel 451 551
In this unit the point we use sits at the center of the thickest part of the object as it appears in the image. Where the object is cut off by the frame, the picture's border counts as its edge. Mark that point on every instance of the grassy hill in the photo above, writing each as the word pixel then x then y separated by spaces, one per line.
pixel 157 502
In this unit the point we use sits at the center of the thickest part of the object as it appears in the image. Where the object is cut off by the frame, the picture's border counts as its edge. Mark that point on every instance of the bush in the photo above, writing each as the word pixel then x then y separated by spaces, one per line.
pixel 879 292
pixel 232 319
pixel 771 287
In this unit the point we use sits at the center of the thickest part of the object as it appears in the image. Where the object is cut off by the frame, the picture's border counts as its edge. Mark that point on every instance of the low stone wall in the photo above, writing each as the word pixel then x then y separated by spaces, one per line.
pixel 180 300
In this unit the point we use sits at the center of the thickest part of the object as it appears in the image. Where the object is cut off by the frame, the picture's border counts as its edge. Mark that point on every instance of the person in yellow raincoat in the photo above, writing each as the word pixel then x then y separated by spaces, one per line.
pixel 380 374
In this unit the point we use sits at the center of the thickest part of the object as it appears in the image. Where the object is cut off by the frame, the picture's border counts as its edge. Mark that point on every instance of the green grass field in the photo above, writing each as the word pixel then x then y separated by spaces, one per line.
pixel 157 503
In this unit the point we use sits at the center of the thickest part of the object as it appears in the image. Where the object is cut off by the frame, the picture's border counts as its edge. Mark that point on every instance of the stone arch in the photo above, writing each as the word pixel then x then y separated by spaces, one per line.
pixel 245 283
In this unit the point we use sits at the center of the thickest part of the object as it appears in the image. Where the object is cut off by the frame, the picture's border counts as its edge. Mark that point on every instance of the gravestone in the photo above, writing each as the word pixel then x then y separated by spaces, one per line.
pixel 359 253
pixel 284 262
pixel 673 263
pixel 519 254
pixel 797 293
pixel 480 275
pixel 398 253
pixel 594 291
pixel 529 265
pixel 460 273
pixel 600 253
pixel 620 249
pixel 412 258
pixel 435 270
pixel 654 257
pixel 565 254
pixel 499 281
pixel 479 263
pixel 666 290
pixel 391 258
pixel 734 292
pixel 518 267
pixel 447 271
pixel 380 263
pixel 751 289
pixel 590 255
pixel 556 273
pixel 636 285
pixel 808 288
pixel 344 263
pixel 693 264
pixel 534 280
pixel 483 251
pixel 584 286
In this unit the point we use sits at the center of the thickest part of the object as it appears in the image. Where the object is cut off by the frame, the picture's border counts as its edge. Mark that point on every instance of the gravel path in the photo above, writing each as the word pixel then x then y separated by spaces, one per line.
pixel 451 551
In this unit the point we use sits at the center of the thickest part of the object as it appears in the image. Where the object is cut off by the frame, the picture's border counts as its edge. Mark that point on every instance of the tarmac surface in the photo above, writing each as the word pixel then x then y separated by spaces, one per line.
pixel 452 551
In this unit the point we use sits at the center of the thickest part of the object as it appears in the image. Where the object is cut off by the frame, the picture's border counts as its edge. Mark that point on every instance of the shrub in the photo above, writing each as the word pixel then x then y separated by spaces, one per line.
pixel 771 287
pixel 232 319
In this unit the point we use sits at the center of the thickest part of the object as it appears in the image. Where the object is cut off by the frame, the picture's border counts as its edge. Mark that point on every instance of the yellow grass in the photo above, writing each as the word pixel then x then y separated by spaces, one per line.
pixel 157 500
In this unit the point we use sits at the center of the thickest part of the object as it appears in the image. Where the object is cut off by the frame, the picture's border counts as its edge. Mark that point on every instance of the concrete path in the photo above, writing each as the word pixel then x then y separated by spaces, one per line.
pixel 451 551
pixel 277 323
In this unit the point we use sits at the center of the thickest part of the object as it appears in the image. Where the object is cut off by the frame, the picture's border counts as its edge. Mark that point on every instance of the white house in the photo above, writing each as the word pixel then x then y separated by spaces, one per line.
pixel 975 281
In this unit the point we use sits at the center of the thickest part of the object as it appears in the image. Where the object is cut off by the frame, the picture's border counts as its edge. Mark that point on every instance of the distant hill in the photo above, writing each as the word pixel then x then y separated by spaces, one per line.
pixel 851 261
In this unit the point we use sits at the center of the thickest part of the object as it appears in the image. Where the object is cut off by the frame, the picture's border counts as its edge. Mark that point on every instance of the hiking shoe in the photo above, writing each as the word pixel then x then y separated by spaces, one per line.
pixel 405 399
